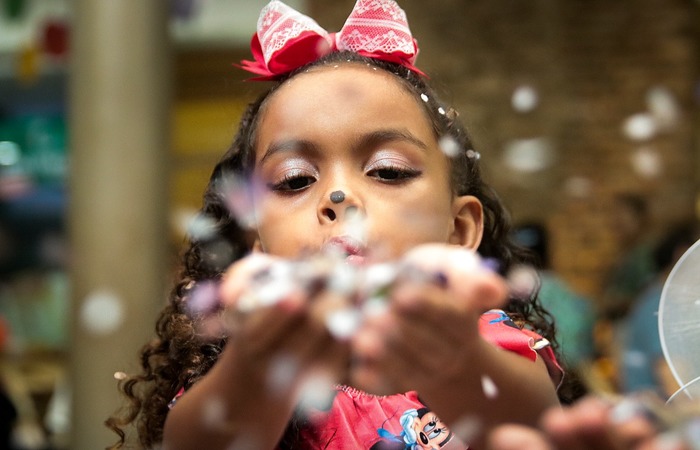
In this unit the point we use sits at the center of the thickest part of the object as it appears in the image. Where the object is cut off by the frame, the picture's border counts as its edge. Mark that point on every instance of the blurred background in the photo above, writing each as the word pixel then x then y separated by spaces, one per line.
pixel 112 114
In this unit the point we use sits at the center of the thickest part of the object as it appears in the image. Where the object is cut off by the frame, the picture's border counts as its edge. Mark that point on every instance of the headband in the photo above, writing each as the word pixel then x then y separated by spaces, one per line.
pixel 287 39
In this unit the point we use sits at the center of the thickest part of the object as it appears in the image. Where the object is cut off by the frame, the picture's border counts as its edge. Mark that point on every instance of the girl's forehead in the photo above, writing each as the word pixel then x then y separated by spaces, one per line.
pixel 345 89
pixel 344 79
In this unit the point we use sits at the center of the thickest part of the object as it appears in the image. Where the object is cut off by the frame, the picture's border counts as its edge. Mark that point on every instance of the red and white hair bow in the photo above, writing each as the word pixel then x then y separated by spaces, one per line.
pixel 287 39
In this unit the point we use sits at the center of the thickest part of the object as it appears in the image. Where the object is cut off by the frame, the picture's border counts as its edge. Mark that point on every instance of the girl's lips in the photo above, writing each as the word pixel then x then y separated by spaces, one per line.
pixel 356 260
pixel 350 247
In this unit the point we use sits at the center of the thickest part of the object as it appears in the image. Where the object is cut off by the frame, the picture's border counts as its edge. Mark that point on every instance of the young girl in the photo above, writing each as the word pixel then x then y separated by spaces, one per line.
pixel 350 133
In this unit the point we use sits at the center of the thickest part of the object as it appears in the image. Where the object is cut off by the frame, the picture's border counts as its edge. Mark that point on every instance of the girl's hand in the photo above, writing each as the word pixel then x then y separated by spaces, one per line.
pixel 276 326
pixel 590 424
pixel 428 337
pixel 275 342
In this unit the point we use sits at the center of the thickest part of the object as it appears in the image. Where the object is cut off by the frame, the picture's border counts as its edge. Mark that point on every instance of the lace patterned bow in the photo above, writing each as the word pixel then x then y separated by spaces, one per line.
pixel 287 39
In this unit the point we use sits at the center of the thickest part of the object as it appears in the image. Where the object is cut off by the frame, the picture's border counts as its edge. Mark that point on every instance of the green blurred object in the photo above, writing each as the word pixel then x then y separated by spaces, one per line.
pixel 14 8
pixel 42 143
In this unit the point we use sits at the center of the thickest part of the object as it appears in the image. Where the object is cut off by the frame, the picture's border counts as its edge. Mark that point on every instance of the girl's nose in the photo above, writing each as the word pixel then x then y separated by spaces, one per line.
pixel 336 204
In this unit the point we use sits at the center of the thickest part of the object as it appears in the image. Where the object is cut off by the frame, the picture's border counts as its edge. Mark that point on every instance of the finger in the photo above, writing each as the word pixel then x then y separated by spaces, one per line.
pixel 432 331
pixel 304 352
pixel 368 360
pixel 434 312
pixel 335 312
pixel 236 279
pixel 631 420
pixel 517 437
pixel 265 329
pixel 465 274
pixel 667 441
pixel 583 426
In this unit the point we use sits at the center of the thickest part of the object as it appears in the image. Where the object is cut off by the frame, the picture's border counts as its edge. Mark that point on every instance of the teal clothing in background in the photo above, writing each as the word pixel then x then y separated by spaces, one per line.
pixel 574 317
pixel 641 345
pixel 627 280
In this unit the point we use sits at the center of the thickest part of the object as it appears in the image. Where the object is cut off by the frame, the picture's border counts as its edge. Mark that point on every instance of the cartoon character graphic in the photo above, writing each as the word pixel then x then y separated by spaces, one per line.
pixel 422 430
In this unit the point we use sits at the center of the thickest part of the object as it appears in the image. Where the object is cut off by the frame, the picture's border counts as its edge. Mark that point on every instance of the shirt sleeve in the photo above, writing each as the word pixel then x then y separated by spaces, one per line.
pixel 497 328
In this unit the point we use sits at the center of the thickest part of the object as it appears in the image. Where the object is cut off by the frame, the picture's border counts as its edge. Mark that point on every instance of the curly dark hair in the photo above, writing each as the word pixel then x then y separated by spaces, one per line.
pixel 177 357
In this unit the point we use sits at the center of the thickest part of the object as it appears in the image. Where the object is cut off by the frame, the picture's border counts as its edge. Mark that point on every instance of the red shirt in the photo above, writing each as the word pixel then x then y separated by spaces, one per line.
pixel 358 420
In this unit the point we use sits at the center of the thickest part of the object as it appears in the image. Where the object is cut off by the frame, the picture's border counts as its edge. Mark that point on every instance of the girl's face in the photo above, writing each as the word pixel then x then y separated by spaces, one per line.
pixel 357 130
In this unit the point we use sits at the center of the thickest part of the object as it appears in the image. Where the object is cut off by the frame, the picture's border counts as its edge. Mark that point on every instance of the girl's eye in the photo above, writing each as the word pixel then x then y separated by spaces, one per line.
pixel 393 173
pixel 293 183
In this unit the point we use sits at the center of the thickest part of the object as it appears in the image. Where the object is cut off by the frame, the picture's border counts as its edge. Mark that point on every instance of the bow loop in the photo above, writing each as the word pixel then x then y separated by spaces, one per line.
pixel 286 39
pixel 379 29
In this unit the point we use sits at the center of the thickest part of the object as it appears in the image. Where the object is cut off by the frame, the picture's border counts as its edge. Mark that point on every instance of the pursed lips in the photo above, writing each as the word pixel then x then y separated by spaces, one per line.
pixel 353 250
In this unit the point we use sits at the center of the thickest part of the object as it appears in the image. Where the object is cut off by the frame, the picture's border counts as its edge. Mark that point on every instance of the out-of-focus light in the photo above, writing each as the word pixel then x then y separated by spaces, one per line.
pixel 524 99
pixel 579 187
pixel 9 153
pixel 647 162
pixel 640 127
pixel 102 312
pixel 663 107
pixel 528 155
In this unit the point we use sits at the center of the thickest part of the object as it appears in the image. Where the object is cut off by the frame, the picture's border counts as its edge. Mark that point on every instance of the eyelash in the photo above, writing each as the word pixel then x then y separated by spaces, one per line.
pixel 401 174
pixel 284 185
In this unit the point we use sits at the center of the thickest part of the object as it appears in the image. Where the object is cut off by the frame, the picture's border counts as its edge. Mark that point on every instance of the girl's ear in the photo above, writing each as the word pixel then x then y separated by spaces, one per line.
pixel 468 222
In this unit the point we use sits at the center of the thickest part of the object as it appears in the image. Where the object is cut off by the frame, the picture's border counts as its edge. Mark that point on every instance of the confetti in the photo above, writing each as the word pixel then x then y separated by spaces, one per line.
pixel 356 224
pixel 524 99
pixel 343 323
pixel 647 162
pixel 639 127
pixel 343 279
pixel 190 223
pixel 375 306
pixel 238 195
pixel 282 374
pixel 102 312
pixel 489 387
pixel 663 107
pixel 523 281
pixel 449 146
pixel 529 155
pixel 203 297
pixel 473 154
pixel 316 391
pixel 269 287
pixel 377 277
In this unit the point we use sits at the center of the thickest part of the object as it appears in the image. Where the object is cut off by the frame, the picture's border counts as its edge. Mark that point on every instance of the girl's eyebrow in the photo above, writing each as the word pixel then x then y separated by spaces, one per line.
pixel 377 137
pixel 290 145
pixel 368 140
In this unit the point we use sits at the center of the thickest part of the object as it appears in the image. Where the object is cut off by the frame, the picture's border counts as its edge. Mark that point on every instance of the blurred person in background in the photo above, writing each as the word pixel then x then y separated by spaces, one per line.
pixel 635 267
pixel 573 313
pixel 642 363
